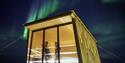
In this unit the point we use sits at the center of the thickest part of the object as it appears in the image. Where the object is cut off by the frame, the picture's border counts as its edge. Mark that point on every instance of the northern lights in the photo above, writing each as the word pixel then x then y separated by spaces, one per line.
pixel 104 18
pixel 41 9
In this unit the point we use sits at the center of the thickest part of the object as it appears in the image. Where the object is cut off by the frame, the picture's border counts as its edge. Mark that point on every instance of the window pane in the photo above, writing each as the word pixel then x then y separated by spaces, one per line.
pixel 49 45
pixel 36 48
pixel 68 52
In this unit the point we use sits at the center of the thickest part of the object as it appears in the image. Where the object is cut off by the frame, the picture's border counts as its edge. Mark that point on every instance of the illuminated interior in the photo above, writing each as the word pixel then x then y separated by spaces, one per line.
pixel 61 39
pixel 66 44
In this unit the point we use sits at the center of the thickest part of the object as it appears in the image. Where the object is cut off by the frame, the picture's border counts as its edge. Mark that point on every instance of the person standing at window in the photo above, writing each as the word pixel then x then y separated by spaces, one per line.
pixel 47 52
pixel 57 49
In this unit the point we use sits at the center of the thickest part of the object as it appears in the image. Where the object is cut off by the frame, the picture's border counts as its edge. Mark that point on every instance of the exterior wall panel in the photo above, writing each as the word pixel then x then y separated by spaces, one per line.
pixel 87 43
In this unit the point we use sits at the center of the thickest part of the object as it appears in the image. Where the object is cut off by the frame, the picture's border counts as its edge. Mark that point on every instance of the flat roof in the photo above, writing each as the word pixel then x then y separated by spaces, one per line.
pixel 49 18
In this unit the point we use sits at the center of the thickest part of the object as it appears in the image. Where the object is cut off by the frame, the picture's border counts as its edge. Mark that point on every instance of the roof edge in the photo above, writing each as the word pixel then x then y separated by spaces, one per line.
pixel 49 18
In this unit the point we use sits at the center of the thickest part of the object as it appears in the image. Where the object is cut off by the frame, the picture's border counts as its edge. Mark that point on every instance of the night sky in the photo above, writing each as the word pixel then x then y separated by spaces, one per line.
pixel 104 18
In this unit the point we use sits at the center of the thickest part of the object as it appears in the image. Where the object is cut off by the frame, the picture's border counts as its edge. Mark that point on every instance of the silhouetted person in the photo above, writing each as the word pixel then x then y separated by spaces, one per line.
pixel 56 52
pixel 46 52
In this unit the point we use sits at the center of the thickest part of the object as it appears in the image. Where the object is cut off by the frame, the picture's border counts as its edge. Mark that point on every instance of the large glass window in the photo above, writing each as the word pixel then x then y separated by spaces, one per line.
pixel 36 48
pixel 68 52
pixel 49 45
pixel 54 45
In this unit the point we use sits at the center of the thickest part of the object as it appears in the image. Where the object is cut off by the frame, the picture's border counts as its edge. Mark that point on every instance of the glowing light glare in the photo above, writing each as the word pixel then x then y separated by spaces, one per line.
pixel 39 11
pixel 63 60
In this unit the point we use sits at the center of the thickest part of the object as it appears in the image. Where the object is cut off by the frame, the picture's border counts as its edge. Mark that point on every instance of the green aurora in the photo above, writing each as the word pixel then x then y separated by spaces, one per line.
pixel 40 11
